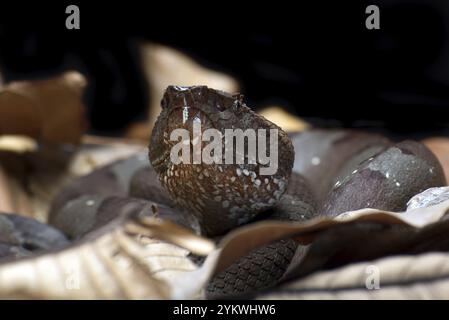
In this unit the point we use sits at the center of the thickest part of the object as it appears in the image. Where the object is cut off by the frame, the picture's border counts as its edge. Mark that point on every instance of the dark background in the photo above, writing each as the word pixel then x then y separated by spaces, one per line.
pixel 314 57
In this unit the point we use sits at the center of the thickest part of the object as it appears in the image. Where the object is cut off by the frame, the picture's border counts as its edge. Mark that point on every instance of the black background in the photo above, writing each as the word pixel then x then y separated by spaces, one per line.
pixel 164 309
pixel 316 58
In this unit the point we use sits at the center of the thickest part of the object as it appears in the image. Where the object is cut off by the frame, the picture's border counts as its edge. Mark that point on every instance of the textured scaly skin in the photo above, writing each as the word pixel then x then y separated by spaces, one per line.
pixel 220 196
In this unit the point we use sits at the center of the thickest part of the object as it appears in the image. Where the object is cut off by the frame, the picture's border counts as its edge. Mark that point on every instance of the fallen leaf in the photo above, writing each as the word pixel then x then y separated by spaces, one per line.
pixel 283 119
pixel 424 276
pixel 116 262
pixel 48 110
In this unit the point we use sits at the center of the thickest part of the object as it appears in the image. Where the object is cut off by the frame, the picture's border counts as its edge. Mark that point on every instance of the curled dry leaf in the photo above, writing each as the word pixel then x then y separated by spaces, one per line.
pixel 123 260
pixel 365 241
pixel 244 239
pixel 424 276
pixel 47 110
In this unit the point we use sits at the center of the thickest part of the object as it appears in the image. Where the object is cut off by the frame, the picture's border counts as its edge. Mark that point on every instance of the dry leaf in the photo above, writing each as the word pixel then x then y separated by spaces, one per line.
pixel 283 119
pixel 113 263
pixel 424 276
pixel 47 110
pixel 242 240
pixel 365 241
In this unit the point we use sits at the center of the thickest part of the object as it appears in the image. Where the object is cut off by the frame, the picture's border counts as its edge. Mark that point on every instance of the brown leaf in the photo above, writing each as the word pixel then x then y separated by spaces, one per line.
pixel 287 121
pixel 242 240
pixel 47 110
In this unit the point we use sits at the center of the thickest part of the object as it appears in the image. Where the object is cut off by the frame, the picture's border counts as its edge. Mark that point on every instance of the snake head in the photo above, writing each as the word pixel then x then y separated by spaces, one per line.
pixel 225 193
pixel 184 106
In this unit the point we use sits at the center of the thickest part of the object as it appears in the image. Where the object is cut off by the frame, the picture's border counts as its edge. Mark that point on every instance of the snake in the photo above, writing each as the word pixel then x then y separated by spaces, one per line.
pixel 222 196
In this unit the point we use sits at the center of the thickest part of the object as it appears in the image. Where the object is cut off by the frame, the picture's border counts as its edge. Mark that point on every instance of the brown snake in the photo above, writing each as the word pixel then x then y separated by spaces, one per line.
pixel 224 196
